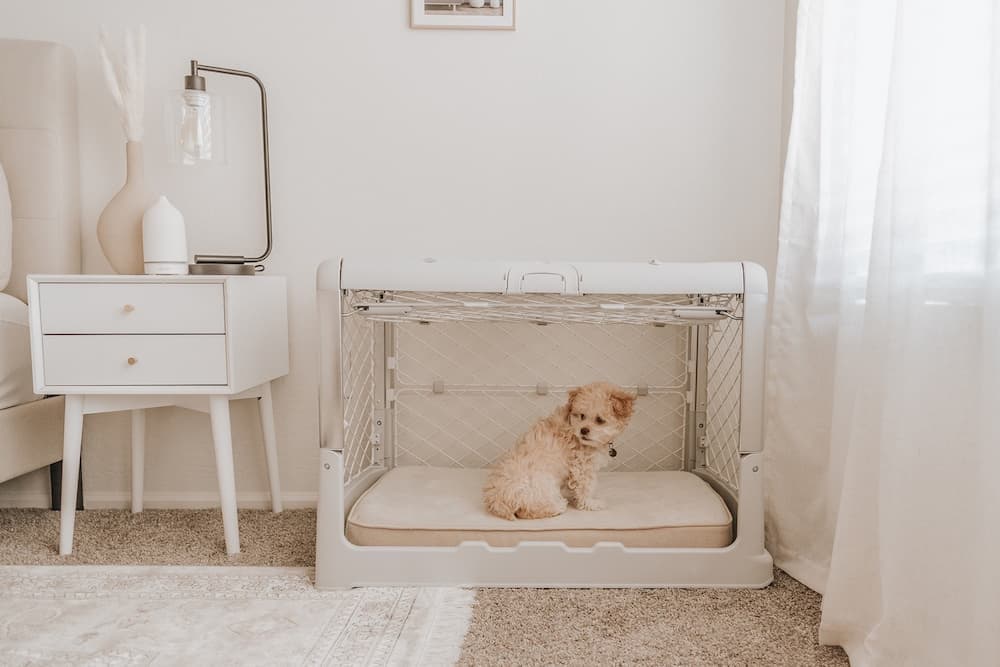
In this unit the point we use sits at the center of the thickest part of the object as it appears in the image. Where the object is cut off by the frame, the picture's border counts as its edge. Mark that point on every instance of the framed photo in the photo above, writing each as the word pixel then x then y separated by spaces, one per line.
pixel 462 14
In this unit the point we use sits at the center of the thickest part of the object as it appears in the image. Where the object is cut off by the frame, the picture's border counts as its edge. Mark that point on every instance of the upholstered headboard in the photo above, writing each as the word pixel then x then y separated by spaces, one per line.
pixel 40 153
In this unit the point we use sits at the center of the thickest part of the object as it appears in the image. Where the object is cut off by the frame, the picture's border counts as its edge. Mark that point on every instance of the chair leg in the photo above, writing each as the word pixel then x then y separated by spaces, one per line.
pixel 72 437
pixel 79 487
pixel 55 484
pixel 223 440
pixel 266 410
pixel 138 457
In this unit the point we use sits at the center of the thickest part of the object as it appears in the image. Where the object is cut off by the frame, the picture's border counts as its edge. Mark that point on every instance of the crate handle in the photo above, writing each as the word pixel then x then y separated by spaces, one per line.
pixel 543 278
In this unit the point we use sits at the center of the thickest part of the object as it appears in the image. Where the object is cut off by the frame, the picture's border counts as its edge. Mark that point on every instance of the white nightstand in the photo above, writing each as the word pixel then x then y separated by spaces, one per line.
pixel 113 343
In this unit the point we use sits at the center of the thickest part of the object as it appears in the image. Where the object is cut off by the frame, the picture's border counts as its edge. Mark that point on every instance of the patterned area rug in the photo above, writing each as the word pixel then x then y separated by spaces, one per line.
pixel 155 615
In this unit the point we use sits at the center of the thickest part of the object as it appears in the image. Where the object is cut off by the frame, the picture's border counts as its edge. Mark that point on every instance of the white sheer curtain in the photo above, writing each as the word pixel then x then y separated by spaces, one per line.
pixel 883 425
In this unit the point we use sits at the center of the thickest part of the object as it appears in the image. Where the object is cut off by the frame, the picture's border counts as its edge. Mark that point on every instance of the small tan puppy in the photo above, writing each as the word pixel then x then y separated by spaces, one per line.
pixel 558 458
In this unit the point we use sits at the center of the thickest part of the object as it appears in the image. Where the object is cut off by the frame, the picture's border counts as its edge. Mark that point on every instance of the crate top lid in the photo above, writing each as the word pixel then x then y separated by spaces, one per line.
pixel 535 277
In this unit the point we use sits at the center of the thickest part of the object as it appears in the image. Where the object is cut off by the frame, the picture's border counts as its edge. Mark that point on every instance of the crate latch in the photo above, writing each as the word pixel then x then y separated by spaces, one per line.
pixel 377 436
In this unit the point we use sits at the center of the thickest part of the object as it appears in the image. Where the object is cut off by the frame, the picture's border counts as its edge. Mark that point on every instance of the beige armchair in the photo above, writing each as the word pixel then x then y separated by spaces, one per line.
pixel 39 153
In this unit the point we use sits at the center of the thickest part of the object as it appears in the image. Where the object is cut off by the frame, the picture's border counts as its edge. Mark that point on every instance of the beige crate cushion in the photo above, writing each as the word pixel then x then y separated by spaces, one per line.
pixel 428 506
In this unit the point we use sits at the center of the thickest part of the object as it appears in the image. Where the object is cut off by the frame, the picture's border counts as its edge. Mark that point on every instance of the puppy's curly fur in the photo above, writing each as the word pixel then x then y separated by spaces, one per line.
pixel 557 460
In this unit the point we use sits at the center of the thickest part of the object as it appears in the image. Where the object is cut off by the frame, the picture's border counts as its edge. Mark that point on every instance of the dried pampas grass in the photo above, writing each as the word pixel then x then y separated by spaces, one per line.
pixel 125 74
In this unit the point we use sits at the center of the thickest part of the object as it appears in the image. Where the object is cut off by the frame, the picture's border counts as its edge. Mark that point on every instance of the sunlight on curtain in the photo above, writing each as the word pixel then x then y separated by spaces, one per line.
pixel 883 424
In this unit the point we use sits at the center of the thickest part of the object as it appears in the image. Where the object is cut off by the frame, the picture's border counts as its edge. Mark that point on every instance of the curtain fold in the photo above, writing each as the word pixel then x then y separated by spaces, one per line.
pixel 883 399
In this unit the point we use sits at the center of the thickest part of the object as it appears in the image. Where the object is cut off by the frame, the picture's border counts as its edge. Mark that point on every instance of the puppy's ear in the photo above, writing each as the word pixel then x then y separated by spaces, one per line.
pixel 622 404
pixel 570 397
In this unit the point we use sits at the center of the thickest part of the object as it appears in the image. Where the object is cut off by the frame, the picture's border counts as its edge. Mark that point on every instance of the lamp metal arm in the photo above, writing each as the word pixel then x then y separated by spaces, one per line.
pixel 197 82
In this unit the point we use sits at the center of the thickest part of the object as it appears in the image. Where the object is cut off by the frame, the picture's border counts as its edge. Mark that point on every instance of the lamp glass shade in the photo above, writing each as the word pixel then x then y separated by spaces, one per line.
pixel 196 127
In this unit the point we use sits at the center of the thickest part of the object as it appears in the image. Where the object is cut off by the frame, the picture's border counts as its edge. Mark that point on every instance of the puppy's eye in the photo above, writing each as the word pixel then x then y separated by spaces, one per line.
pixel 583 416
pixel 599 420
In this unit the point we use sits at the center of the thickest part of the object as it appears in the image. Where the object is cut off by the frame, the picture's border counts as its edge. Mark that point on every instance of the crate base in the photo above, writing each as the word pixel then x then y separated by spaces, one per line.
pixel 743 564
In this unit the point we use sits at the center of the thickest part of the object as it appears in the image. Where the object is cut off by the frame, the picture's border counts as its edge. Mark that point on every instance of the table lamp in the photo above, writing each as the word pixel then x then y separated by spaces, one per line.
pixel 197 139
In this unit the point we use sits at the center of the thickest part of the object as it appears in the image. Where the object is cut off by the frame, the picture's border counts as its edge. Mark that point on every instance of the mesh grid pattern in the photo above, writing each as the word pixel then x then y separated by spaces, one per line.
pixel 358 374
pixel 470 380
pixel 722 426
pixel 472 429
pixel 489 374
pixel 521 355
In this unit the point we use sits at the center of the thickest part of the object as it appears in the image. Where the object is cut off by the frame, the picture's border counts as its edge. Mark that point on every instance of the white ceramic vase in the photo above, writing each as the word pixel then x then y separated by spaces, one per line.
pixel 119 228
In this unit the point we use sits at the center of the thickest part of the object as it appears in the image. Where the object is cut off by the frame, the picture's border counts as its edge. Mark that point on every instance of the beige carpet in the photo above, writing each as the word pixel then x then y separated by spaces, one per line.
pixel 774 626
pixel 158 537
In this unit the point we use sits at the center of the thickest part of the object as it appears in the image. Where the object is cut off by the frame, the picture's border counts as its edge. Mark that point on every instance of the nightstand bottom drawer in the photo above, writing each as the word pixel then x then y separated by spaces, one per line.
pixel 133 360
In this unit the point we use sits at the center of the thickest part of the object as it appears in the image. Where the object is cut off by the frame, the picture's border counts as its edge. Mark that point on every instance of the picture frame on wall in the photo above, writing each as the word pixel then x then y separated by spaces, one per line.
pixel 462 14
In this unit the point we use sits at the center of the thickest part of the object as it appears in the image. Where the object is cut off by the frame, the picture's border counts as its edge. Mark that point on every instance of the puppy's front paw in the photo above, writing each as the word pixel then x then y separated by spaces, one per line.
pixel 591 504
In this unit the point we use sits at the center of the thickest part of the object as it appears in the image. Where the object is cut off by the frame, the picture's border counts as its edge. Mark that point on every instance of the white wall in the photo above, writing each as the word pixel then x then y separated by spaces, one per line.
pixel 596 130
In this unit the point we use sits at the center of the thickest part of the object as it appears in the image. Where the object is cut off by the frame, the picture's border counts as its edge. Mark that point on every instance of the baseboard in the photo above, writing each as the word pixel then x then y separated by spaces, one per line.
pixel 96 500
pixel 25 500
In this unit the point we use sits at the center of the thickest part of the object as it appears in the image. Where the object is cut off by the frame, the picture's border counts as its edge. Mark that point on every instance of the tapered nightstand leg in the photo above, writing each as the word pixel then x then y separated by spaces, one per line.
pixel 138 457
pixel 270 445
pixel 223 439
pixel 72 437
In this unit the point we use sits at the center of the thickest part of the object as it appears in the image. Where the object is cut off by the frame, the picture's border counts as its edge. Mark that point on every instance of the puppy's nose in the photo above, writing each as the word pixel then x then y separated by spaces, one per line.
pixel 584 431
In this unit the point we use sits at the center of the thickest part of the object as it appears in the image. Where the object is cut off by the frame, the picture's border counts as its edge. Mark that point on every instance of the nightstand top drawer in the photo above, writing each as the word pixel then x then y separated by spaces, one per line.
pixel 126 308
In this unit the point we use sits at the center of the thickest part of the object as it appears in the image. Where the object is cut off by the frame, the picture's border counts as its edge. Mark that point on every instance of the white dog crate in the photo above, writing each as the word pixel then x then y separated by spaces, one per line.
pixel 431 369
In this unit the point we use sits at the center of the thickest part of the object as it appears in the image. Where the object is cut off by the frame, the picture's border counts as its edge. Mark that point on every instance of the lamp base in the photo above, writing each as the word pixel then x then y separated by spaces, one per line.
pixel 221 269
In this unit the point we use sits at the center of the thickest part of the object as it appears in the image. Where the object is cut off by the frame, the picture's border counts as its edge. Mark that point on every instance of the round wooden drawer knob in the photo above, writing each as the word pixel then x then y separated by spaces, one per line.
pixel 132 361
pixel 128 308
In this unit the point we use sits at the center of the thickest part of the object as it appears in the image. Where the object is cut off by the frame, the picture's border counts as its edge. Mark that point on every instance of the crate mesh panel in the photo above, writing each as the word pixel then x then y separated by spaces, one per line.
pixel 358 374
pixel 469 380
pixel 472 430
pixel 522 355
pixel 722 426
pixel 489 375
